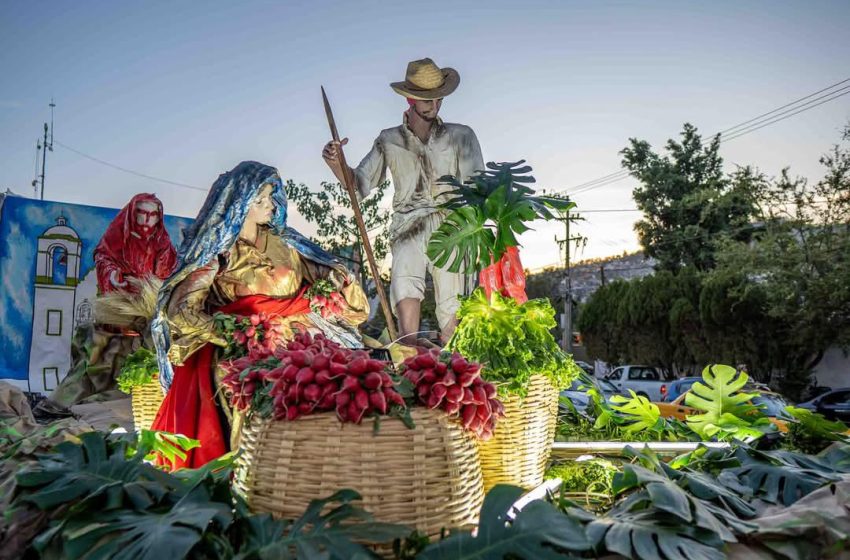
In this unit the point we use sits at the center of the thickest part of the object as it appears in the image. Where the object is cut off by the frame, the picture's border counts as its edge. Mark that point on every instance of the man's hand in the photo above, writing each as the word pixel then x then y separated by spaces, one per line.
pixel 331 156
pixel 116 280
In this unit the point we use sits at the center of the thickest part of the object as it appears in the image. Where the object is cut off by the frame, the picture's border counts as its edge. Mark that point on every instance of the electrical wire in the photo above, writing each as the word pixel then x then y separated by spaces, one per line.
pixel 130 171
pixel 741 129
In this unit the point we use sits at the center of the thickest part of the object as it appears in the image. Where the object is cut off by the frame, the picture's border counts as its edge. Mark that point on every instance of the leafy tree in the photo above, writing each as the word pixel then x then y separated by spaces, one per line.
pixel 796 273
pixel 687 199
pixel 330 210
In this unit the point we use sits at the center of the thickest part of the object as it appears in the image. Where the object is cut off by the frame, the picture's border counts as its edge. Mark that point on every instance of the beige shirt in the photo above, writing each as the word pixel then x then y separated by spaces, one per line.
pixel 416 167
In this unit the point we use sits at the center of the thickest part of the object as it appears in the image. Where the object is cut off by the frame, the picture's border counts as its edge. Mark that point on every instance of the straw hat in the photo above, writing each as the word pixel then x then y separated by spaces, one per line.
pixel 425 80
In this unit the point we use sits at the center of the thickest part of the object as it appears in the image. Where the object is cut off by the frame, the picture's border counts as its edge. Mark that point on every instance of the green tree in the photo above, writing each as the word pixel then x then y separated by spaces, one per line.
pixel 330 210
pixel 797 269
pixel 687 199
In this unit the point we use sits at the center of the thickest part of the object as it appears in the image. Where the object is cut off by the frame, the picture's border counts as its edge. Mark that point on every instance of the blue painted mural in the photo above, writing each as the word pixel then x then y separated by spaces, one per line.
pixel 73 232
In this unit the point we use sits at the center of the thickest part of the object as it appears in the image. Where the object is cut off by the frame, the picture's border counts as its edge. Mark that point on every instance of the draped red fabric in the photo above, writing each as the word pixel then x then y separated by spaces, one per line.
pixel 122 248
pixel 190 407
pixel 505 276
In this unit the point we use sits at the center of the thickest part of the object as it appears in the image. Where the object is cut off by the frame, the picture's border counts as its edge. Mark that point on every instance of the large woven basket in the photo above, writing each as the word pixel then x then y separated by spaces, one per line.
pixel 145 400
pixel 519 449
pixel 427 478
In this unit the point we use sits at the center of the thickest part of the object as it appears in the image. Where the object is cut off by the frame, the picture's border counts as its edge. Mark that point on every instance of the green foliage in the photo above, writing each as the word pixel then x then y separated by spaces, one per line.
pixel 512 340
pixel 687 200
pixel 537 531
pixel 811 432
pixel 592 481
pixel 139 368
pixel 726 412
pixel 488 211
pixel 337 231
pixel 638 412
pixel 102 500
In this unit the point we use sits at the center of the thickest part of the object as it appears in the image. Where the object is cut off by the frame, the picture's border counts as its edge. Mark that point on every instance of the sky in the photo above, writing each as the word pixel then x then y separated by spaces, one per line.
pixel 185 90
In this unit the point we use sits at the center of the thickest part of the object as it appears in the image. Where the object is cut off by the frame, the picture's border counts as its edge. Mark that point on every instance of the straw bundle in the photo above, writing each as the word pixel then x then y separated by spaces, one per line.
pixel 519 450
pixel 125 309
pixel 427 478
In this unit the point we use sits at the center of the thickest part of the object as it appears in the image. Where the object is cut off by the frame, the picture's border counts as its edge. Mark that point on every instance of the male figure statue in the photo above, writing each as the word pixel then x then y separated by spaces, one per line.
pixel 417 153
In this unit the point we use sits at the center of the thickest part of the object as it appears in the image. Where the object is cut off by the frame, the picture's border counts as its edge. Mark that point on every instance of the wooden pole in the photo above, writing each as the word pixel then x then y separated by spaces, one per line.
pixel 350 186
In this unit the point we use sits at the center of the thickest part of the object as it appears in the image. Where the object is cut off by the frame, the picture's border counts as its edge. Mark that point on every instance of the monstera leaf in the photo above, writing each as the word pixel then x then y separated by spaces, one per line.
pixel 494 200
pixel 726 412
pixel 638 413
pixel 534 532
pixel 316 534
pixel 149 534
pixel 463 236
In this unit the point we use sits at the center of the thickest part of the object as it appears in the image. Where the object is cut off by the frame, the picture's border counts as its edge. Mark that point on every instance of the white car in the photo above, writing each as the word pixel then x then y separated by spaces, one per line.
pixel 646 381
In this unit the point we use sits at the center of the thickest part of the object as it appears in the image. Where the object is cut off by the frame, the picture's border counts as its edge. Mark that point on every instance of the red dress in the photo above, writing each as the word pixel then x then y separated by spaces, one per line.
pixel 190 407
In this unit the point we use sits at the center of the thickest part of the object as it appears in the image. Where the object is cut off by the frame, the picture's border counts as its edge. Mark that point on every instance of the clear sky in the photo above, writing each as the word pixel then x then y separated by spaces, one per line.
pixel 185 90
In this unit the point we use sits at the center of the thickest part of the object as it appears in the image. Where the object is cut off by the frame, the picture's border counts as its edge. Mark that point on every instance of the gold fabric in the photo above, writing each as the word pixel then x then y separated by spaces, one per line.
pixel 268 267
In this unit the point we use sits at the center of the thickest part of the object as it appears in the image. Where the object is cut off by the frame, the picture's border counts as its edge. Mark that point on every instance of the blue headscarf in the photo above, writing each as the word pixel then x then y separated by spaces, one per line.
pixel 214 232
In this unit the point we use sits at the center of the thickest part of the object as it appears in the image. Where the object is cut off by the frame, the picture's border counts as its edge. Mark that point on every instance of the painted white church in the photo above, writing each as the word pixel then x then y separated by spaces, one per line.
pixel 61 302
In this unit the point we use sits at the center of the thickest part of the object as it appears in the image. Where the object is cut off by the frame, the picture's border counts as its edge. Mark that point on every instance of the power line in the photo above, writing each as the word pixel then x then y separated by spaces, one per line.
pixel 740 129
pixel 801 110
pixel 130 171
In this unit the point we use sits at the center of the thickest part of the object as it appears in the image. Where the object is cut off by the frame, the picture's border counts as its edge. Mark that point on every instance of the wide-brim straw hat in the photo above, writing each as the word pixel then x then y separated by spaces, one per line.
pixel 425 81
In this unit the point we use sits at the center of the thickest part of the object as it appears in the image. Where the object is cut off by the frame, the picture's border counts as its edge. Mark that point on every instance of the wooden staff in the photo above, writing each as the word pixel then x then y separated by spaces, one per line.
pixel 350 186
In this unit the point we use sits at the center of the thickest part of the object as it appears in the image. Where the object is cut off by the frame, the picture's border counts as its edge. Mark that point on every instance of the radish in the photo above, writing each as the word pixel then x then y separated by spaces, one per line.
pixel 342 399
pixel 424 361
pixel 428 376
pixel 350 384
pixel 357 367
pixel 378 401
pixel 393 397
pixel 305 375
pixel 362 399
pixel 338 369
pixel 454 393
pixel 320 362
pixel 467 414
pixel 312 392
pixel 460 365
pixel 372 380
pixel 323 377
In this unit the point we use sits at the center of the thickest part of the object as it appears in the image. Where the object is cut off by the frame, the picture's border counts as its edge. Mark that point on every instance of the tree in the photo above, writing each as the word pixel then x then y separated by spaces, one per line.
pixel 687 200
pixel 330 210
pixel 798 266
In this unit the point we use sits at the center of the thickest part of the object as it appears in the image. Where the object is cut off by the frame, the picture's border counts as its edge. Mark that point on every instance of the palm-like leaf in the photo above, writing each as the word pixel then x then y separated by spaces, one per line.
pixel 538 531
pixel 501 202
pixel 725 410
pixel 463 236
pixel 638 413
pixel 317 535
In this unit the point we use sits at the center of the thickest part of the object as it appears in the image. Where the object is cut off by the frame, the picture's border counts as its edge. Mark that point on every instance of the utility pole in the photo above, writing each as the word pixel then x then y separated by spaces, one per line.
pixel 46 146
pixel 602 273
pixel 567 336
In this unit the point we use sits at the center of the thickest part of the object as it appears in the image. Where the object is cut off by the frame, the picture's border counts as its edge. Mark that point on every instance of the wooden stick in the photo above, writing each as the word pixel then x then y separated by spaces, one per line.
pixel 350 186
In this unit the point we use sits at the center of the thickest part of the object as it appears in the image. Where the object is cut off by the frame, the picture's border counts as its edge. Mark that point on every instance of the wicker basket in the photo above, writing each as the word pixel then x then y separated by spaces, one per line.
pixel 427 478
pixel 145 400
pixel 519 449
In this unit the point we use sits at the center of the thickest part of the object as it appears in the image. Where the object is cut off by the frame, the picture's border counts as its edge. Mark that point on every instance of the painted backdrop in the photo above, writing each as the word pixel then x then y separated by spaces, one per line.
pixel 48 284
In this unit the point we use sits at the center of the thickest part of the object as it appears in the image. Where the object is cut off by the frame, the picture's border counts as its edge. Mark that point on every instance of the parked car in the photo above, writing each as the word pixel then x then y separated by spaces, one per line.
pixel 646 381
pixel 679 387
pixel 773 406
pixel 588 369
pixel 834 405
pixel 577 392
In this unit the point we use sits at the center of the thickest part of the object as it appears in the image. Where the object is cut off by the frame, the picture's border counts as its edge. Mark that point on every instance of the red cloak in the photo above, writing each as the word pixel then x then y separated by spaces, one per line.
pixel 123 249
pixel 190 407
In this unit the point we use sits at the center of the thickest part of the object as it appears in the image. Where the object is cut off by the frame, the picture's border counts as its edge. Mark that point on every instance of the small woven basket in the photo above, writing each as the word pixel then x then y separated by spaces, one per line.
pixel 427 478
pixel 519 450
pixel 145 400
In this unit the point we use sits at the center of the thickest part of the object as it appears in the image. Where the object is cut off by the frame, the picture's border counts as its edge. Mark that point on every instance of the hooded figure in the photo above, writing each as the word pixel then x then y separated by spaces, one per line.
pixel 134 245
pixel 233 262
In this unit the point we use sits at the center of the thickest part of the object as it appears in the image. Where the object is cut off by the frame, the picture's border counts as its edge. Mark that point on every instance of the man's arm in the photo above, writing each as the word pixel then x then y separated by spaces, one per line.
pixel 369 174
pixel 469 158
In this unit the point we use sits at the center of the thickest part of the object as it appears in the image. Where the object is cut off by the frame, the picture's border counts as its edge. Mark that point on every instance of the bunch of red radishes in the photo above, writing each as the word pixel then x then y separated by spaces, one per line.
pixel 453 384
pixel 326 305
pixel 314 374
